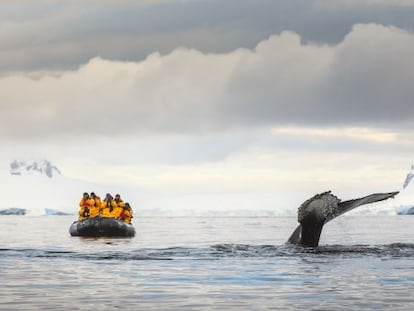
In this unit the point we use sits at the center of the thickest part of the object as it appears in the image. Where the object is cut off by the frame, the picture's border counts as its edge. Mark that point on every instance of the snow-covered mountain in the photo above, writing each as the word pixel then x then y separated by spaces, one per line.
pixel 405 199
pixel 402 204
pixel 409 177
pixel 39 185
pixel 42 167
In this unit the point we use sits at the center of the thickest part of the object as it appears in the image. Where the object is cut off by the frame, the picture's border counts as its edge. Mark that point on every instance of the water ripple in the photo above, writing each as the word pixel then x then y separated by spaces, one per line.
pixel 221 251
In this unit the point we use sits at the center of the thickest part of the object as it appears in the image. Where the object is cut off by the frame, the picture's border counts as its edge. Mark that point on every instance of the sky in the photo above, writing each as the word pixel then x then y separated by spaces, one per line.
pixel 237 103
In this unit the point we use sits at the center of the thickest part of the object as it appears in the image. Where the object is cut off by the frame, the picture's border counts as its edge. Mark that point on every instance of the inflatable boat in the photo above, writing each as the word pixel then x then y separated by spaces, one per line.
pixel 101 227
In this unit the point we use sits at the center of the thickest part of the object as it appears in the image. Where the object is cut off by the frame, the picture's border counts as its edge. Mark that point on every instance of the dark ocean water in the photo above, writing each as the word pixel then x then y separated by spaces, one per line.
pixel 185 263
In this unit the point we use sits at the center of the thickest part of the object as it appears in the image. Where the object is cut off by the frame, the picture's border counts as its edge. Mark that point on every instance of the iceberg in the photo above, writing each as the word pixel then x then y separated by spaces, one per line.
pixel 53 212
pixel 405 210
pixel 13 211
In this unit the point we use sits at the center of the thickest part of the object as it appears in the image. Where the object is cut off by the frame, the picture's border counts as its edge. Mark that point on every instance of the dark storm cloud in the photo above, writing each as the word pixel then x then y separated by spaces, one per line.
pixel 364 80
pixel 57 35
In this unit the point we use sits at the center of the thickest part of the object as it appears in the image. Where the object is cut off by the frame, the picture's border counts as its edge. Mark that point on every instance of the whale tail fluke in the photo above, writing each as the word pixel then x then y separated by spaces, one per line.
pixel 349 205
pixel 315 212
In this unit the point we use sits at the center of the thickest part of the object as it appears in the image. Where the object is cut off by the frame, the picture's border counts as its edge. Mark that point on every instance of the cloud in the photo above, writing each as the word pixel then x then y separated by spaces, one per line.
pixel 365 80
pixel 366 135
pixel 43 35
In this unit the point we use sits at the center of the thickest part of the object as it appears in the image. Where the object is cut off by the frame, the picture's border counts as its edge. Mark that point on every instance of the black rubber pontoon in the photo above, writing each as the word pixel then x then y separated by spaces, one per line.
pixel 101 227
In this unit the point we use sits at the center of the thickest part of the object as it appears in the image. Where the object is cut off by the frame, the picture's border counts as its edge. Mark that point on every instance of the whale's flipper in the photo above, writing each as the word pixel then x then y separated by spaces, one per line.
pixel 314 213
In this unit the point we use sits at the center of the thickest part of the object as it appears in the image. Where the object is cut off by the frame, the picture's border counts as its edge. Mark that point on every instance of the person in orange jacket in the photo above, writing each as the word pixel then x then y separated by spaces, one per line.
pixel 126 214
pixel 119 201
pixel 109 207
pixel 119 206
pixel 96 209
pixel 85 204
